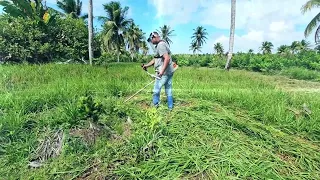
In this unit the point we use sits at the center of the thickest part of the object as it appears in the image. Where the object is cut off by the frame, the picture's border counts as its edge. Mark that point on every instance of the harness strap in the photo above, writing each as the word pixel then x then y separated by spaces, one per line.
pixel 156 47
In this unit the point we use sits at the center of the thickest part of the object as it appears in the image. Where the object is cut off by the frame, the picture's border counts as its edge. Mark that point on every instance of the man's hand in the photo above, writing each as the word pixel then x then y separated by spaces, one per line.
pixel 144 67
pixel 160 73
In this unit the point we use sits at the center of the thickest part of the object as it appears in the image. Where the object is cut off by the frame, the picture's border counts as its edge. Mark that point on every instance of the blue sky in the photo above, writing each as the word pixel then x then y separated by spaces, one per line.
pixel 256 21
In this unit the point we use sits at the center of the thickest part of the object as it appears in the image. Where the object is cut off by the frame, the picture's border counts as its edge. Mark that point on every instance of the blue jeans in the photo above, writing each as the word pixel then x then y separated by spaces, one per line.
pixel 166 81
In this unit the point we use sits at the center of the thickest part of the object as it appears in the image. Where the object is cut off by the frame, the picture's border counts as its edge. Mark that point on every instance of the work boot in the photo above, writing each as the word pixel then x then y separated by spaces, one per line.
pixel 156 100
pixel 170 102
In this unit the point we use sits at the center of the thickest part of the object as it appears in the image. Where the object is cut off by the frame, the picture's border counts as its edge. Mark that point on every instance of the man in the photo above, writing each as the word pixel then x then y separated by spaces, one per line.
pixel 164 67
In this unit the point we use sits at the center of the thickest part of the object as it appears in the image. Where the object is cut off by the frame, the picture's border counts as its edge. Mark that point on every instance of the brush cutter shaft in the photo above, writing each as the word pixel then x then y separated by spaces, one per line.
pixel 139 91
pixel 154 76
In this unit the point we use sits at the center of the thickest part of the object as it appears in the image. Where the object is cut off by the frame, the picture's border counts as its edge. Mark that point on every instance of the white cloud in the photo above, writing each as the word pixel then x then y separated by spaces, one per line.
pixel 280 26
pixel 252 40
pixel 255 13
pixel 261 20
pixel 98 9
pixel 179 11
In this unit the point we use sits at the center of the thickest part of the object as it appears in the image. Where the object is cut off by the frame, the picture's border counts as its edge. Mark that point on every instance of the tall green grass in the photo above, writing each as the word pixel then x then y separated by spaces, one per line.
pixel 302 74
pixel 225 125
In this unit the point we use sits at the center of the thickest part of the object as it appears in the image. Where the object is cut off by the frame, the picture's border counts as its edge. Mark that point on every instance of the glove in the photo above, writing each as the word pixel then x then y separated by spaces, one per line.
pixel 144 67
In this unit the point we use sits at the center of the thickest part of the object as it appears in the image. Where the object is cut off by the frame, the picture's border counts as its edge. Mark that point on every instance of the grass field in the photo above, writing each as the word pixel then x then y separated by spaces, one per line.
pixel 225 125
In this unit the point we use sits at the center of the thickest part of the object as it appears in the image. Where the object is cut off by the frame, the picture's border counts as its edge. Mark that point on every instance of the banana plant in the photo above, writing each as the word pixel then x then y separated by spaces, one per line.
pixel 28 9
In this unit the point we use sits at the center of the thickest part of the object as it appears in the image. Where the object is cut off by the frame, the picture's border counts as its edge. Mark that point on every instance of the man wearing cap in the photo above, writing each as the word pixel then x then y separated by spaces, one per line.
pixel 164 67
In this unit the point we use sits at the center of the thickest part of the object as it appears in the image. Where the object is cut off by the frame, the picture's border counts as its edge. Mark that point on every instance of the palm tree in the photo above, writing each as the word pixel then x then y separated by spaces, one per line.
pixel 116 25
pixel 199 36
pixel 283 49
pixel 295 47
pixel 317 48
pixel 71 7
pixel 134 38
pixel 315 21
pixel 218 48
pixel 231 38
pixel 166 32
pixel 305 45
pixel 250 51
pixel 28 9
pixel 266 47
pixel 90 28
pixel 144 48
pixel 194 47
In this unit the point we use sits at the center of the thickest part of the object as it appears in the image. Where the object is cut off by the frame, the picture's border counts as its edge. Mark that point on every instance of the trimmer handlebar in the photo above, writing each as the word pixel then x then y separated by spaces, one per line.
pixel 152 75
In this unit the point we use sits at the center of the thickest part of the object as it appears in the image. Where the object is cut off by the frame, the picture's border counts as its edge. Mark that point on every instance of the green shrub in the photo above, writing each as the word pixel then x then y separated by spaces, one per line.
pixel 254 62
pixel 301 73
pixel 27 41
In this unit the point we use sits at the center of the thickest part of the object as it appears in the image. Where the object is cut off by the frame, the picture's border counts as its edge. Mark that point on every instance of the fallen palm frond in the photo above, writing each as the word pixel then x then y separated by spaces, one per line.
pixel 49 147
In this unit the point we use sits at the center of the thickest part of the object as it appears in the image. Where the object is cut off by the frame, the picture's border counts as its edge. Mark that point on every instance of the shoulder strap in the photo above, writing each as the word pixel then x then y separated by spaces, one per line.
pixel 160 41
pixel 156 56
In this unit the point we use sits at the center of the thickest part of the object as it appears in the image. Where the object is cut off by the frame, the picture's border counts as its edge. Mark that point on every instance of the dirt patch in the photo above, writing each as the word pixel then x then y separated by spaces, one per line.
pixel 200 176
pixel 127 132
pixel 88 134
pixel 127 129
pixel 287 158
pixel 144 104
pixel 184 104
pixel 308 144
pixel 99 171
pixel 93 172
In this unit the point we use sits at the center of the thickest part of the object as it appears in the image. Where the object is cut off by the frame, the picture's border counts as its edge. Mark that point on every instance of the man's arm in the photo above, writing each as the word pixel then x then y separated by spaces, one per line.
pixel 149 64
pixel 165 63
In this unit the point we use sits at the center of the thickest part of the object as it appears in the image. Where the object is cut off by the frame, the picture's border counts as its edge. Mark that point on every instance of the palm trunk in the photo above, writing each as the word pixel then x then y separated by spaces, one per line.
pixel 90 28
pixel 232 29
pixel 118 56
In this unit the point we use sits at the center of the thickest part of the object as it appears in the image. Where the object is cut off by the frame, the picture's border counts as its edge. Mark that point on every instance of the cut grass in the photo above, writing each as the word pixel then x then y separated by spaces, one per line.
pixel 225 125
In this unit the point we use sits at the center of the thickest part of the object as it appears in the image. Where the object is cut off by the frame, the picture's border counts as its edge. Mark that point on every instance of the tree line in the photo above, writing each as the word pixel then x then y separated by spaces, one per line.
pixel 33 32
pixel 55 36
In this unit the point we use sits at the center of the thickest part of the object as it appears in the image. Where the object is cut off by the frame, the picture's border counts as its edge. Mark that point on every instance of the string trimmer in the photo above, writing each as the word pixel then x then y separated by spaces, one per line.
pixel 175 66
pixel 152 75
